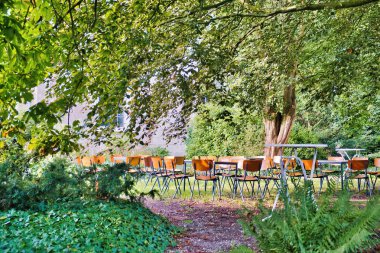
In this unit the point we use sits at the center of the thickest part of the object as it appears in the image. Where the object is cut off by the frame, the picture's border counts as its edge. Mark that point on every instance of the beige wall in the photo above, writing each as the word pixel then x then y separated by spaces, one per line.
pixel 176 147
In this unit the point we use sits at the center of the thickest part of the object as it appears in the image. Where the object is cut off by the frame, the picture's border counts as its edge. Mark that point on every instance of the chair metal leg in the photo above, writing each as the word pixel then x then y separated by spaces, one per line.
pixel 220 190
pixel 213 190
pixel 188 181
pixel 192 192
pixel 241 190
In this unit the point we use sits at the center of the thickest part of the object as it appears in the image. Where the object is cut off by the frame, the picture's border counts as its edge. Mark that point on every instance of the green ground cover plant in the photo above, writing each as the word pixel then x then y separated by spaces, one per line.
pixel 81 226
pixel 331 224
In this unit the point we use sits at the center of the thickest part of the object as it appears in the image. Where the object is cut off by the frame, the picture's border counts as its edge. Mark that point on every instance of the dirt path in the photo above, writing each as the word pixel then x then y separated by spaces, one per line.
pixel 208 227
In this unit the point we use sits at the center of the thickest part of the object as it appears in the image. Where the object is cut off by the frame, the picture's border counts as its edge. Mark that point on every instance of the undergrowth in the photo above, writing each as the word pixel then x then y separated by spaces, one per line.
pixel 331 224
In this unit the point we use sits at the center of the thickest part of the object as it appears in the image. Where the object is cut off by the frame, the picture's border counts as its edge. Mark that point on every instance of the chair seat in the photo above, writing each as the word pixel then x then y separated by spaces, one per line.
pixel 132 171
pixel 295 174
pixel 269 178
pixel 318 175
pixel 174 171
pixel 330 171
pixel 162 174
pixel 360 176
pixel 247 178
pixel 228 175
pixel 206 178
pixel 373 172
pixel 178 176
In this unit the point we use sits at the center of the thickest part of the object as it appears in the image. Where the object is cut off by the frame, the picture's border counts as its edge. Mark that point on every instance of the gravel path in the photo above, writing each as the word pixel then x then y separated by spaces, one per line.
pixel 208 226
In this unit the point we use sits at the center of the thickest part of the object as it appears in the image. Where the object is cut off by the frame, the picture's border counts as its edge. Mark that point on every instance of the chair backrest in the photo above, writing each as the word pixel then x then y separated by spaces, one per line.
pixel 202 165
pixel 308 164
pixel 133 160
pixel 358 164
pixel 112 158
pixel 335 158
pixel 156 162
pixel 290 163
pixel 86 161
pixel 252 165
pixel 169 163
pixel 377 162
pixel 78 160
pixel 209 157
pixel 99 159
pixel 148 161
pixel 267 163
pixel 179 160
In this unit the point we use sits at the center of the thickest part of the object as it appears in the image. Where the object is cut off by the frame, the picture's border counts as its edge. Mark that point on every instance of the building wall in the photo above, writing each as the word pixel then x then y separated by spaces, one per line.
pixel 175 147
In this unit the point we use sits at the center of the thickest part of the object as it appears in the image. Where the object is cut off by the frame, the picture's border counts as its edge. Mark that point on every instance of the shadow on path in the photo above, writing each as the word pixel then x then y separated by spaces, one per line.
pixel 208 226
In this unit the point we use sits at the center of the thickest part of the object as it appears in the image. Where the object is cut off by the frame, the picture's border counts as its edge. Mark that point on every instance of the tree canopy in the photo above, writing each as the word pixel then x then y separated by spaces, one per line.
pixel 158 60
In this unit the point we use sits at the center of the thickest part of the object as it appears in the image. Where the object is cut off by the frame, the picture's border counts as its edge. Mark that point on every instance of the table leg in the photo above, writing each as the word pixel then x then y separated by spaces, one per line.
pixel 341 175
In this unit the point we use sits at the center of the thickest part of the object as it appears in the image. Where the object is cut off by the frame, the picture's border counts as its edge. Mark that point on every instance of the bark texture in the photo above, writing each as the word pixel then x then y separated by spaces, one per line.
pixel 278 124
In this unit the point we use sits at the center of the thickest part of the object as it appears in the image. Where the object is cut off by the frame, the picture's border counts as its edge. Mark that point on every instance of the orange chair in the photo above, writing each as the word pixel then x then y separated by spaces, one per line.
pixel 86 161
pixel 99 160
pixel 158 172
pixel 203 171
pixel 308 165
pixel 225 171
pixel 170 168
pixel 267 175
pixel 78 160
pixel 357 167
pixel 134 162
pixel 113 160
pixel 251 174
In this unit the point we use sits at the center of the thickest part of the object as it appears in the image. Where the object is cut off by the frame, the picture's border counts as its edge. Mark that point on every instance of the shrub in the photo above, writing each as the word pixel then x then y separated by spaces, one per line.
pixel 59 180
pixel 221 131
pixel 305 226
pixel 158 151
pixel 94 226
pixel 113 181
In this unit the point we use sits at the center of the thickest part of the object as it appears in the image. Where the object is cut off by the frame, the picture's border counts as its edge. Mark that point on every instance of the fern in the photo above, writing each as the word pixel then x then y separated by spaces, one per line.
pixel 331 225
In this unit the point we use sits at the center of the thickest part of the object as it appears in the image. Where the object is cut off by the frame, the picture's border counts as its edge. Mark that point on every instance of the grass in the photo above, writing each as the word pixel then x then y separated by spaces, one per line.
pixel 206 196
pixel 95 226
pixel 241 249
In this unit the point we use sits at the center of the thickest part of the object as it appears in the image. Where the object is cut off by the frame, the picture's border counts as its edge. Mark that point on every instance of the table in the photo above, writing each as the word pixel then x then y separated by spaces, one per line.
pixel 120 158
pixel 293 155
pixel 336 163
pixel 343 152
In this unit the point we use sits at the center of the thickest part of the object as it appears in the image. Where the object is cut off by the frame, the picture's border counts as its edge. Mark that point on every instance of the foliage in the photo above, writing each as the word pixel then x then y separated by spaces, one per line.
pixel 241 249
pixel 156 60
pixel 94 226
pixel 223 131
pixel 158 151
pixel 60 180
pixel 306 226
pixel 113 181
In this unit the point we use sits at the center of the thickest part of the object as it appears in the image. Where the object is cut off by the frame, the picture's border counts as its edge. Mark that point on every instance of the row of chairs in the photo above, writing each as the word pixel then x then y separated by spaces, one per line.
pixel 164 171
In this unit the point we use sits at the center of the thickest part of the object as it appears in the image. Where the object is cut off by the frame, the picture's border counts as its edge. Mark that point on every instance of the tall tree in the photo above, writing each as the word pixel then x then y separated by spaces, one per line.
pixel 161 59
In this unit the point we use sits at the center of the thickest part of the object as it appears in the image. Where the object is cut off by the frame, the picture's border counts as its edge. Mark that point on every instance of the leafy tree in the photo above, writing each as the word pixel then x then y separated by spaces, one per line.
pixel 224 131
pixel 162 59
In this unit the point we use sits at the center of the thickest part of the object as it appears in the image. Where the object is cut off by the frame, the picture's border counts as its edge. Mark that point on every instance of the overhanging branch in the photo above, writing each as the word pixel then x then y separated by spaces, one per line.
pixel 316 7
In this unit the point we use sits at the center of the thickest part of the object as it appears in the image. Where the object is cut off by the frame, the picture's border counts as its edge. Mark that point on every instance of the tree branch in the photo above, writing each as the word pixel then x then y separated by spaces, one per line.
pixel 60 20
pixel 316 7
pixel 264 13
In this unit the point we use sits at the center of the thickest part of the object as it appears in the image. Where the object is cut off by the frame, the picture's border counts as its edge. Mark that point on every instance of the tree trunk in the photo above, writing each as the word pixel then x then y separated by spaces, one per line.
pixel 278 124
